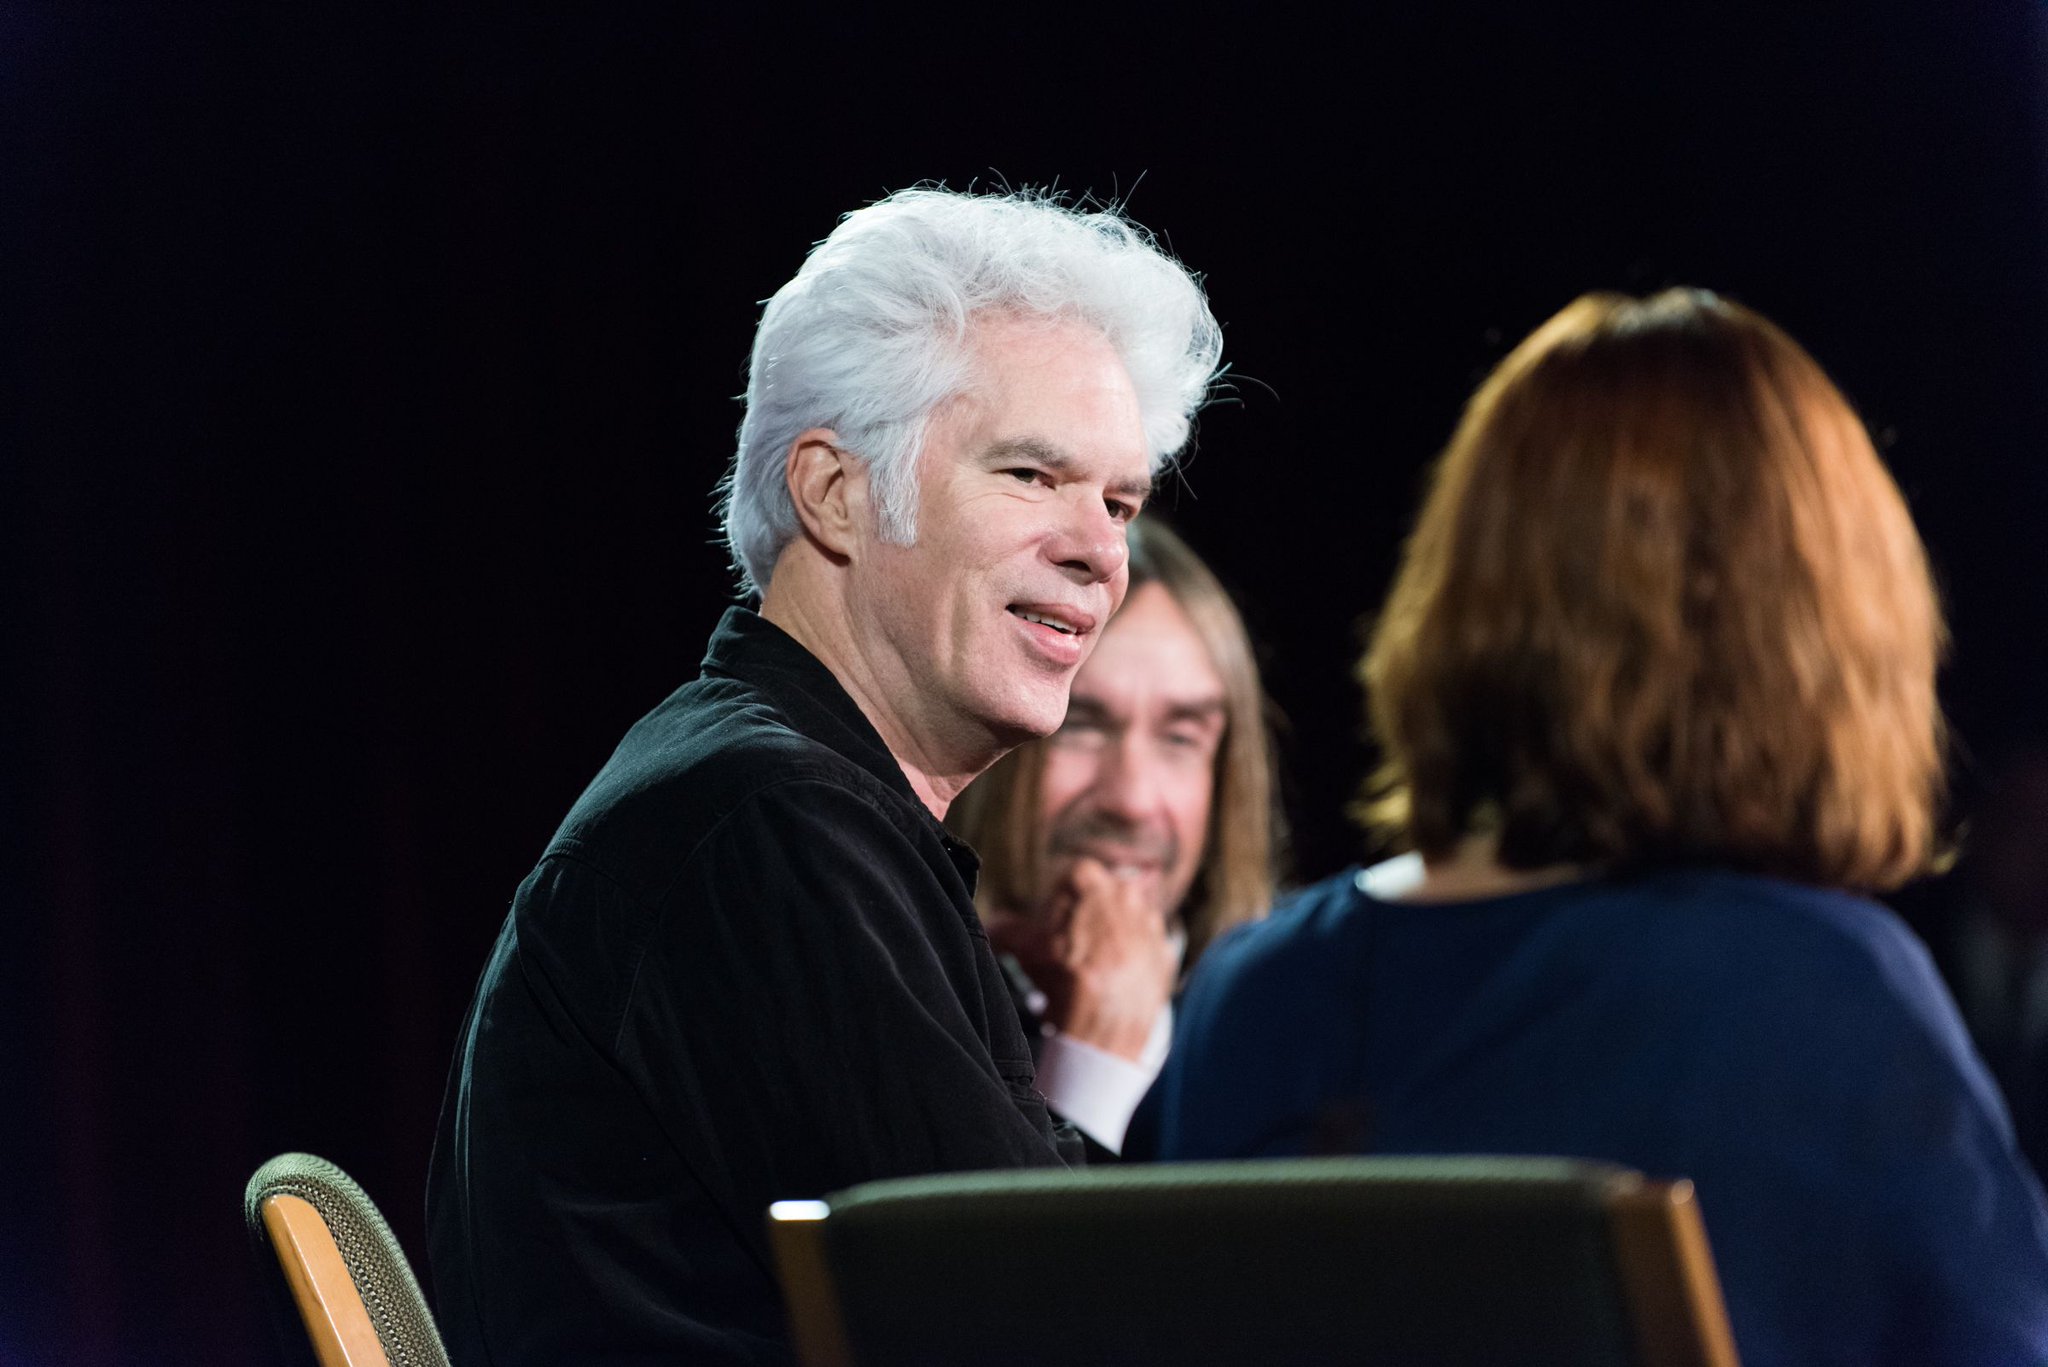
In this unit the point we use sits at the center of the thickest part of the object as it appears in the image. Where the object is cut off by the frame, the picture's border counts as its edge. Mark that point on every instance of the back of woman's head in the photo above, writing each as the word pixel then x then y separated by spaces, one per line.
pixel 1663 602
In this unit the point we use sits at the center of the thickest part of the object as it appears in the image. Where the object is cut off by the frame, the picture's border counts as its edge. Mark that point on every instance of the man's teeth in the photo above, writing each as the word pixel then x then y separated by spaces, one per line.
pixel 1044 621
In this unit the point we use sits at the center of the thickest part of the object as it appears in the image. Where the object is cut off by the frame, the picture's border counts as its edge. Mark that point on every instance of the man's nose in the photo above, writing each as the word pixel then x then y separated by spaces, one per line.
pixel 1089 543
pixel 1124 786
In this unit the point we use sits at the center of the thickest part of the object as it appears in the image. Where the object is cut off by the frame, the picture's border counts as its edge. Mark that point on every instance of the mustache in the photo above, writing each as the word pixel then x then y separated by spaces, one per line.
pixel 1120 841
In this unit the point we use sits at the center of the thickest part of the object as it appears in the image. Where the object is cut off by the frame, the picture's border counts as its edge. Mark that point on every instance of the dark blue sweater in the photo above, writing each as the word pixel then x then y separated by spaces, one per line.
pixel 1789 1049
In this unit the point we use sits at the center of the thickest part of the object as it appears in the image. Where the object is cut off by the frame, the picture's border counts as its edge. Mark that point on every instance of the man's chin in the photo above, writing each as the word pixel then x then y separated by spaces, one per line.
pixel 1008 735
pixel 1026 720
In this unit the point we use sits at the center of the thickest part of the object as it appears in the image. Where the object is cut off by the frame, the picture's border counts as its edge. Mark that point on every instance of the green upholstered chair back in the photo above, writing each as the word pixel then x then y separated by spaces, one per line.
pixel 1369 1260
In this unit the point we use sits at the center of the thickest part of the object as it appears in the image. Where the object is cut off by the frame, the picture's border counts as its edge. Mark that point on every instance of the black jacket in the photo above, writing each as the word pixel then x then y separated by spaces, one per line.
pixel 747 968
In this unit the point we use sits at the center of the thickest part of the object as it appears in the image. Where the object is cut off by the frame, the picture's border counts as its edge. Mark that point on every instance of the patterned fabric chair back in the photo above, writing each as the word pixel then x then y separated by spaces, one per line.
pixel 346 1276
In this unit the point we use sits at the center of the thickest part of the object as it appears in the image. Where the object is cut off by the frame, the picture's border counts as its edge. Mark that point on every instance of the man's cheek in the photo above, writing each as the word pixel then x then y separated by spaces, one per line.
pixel 1055 879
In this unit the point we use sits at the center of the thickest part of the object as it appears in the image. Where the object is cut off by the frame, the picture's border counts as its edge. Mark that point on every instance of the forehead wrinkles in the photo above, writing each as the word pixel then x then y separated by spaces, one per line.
pixel 959 416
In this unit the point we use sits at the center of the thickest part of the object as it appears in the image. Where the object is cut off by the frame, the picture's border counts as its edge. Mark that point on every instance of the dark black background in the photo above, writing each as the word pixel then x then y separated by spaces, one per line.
pixel 367 372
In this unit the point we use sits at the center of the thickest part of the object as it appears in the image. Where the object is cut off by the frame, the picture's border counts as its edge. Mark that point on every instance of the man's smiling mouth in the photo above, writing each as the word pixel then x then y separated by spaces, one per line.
pixel 1060 627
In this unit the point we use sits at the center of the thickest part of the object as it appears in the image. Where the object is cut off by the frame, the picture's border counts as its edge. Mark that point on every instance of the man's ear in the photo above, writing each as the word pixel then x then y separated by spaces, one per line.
pixel 829 486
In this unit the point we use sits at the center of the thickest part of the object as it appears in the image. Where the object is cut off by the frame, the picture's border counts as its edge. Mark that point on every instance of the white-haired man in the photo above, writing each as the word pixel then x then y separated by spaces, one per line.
pixel 748 966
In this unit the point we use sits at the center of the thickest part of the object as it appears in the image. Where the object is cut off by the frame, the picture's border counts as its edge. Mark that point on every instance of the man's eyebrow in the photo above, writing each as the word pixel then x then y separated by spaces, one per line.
pixel 1059 461
pixel 1202 709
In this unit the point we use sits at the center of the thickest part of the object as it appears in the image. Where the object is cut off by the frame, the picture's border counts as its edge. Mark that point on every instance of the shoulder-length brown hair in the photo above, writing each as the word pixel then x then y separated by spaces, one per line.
pixel 998 814
pixel 1663 602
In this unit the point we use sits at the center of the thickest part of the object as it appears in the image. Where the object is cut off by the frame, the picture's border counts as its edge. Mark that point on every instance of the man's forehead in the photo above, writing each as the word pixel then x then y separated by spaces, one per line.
pixel 1070 371
pixel 1152 646
pixel 1138 680
pixel 1104 691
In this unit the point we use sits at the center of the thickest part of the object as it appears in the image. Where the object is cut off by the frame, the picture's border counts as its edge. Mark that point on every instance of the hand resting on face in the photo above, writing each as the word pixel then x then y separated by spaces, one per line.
pixel 1099 950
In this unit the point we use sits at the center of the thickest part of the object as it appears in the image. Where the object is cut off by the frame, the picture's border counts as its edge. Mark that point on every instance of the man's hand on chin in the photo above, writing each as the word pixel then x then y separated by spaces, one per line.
pixel 1099 951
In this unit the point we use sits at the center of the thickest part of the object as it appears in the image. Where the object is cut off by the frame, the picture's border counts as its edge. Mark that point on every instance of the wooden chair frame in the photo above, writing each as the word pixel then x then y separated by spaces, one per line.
pixel 336 1319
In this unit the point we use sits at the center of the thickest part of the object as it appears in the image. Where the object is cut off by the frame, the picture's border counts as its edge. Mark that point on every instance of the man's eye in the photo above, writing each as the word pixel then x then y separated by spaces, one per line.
pixel 1025 475
pixel 1120 510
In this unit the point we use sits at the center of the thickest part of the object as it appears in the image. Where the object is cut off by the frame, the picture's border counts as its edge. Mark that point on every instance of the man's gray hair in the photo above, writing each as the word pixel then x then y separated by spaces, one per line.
pixel 871 336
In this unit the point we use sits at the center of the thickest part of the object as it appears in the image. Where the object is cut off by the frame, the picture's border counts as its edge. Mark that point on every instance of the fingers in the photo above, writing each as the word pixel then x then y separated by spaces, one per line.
pixel 1090 875
pixel 1117 962
pixel 1097 947
pixel 1102 925
pixel 1125 896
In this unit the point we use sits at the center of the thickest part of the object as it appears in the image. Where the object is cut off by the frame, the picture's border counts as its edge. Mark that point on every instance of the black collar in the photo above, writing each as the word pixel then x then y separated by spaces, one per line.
pixel 748 646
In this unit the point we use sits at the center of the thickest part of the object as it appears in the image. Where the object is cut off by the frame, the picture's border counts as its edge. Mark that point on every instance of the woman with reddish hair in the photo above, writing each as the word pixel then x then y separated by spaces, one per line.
pixel 1655 693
